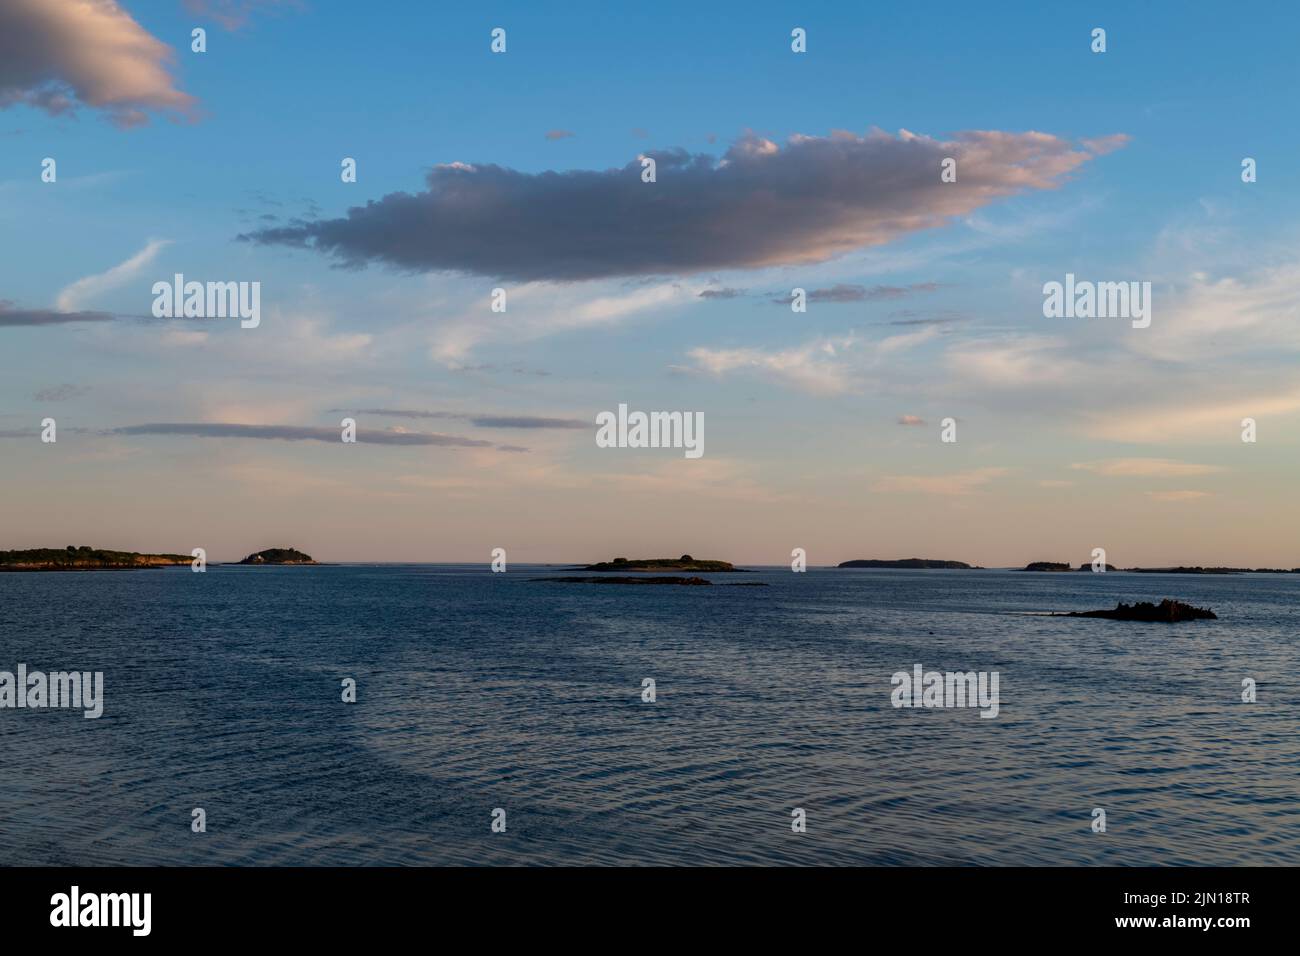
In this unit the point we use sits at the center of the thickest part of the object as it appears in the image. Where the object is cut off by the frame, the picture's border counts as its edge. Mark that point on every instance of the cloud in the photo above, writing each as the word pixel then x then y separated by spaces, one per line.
pixel 822 366
pixel 538 310
pixel 1102 145
pixel 1209 318
pixel 1145 468
pixel 74 296
pixel 10 315
pixel 55 54
pixel 842 292
pixel 555 134
pixel 760 205
pixel 305 433
pixel 481 421
pixel 60 393
pixel 961 483
pixel 812 367
pixel 916 317
pixel 1177 495
pixel 1211 420
pixel 720 293
pixel 1015 362
pixel 911 420
pixel 235 14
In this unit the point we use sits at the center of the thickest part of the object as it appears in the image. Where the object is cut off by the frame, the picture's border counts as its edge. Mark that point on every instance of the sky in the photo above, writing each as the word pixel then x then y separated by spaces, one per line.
pixel 522 170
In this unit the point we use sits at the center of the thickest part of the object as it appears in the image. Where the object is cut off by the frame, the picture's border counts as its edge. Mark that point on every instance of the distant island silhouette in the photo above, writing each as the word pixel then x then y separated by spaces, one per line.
pixel 85 558
pixel 684 563
pixel 921 563
pixel 652 579
pixel 279 556
pixel 1062 566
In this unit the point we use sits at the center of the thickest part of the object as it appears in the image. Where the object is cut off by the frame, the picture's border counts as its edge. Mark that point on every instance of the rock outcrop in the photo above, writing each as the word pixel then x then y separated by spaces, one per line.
pixel 1167 611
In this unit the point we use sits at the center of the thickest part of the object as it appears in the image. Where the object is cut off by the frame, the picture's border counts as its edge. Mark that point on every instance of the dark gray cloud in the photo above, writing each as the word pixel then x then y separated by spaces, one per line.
pixel 917 317
pixel 490 367
pixel 760 205
pixel 304 433
pixel 721 293
pixel 11 315
pixel 843 292
pixel 482 421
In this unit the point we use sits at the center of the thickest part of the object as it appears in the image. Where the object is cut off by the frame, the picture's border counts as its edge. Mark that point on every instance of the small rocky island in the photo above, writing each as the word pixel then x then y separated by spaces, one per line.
pixel 608 579
pixel 279 556
pixel 650 565
pixel 1167 612
pixel 85 558
pixel 925 564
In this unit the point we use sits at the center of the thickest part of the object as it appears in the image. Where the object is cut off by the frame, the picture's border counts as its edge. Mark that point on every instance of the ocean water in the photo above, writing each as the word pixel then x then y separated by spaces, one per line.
pixel 479 691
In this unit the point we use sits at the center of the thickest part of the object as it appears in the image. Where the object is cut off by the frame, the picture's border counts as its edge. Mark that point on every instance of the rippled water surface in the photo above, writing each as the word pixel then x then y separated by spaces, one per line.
pixel 480 690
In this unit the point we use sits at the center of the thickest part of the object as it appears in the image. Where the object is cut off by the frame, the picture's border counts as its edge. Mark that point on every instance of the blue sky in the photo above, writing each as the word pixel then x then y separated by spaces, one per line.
pixel 1135 436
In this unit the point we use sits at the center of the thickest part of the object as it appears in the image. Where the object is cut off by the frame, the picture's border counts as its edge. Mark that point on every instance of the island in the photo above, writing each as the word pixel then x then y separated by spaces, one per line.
pixel 1047 566
pixel 279 556
pixel 684 563
pixel 925 564
pixel 85 558
pixel 1181 569
pixel 1166 612
pixel 656 579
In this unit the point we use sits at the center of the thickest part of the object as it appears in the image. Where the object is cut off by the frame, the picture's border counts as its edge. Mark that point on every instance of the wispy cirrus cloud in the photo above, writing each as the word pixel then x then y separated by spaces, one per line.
pixel 759 205
pixel 56 55
pixel 73 296
pixel 235 14
pixel 538 310
pixel 477 419
pixel 957 484
pixel 1177 495
pixel 822 366
pixel 1145 468
pixel 847 292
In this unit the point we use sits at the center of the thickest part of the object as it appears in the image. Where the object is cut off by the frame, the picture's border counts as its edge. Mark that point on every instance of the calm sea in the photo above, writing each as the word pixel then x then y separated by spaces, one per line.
pixel 479 691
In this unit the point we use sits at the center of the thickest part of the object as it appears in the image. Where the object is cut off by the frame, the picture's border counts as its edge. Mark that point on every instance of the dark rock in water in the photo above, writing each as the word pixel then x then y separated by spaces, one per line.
pixel 1048 566
pixel 1167 611
pixel 1088 567
pixel 605 579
